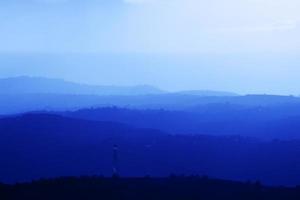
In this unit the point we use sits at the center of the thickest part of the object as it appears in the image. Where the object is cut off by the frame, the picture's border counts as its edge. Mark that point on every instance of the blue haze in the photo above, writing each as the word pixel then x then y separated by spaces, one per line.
pixel 239 46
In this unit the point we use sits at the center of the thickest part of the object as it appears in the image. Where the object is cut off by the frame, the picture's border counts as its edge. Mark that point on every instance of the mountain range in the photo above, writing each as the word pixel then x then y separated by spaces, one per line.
pixel 24 94
pixel 39 85
pixel 51 128
pixel 34 146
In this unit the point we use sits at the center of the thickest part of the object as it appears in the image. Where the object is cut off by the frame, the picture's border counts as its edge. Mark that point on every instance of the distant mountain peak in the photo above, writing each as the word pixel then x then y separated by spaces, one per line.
pixel 207 93
pixel 34 85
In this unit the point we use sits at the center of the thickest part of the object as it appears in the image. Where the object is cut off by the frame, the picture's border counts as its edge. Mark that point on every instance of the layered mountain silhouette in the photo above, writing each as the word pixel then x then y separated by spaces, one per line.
pixel 272 122
pixel 70 129
pixel 38 85
pixel 209 93
pixel 41 145
pixel 18 103
pixel 23 94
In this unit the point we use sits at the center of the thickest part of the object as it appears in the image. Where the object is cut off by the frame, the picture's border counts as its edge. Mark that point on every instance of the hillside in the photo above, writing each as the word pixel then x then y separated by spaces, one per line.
pixel 42 145
pixel 270 122
pixel 39 85
pixel 11 104
pixel 175 188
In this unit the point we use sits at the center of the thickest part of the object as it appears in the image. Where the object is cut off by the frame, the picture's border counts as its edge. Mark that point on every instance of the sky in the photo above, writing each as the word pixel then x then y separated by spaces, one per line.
pixel 245 46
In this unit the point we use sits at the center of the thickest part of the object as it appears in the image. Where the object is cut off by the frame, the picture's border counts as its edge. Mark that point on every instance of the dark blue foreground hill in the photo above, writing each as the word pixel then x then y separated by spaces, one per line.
pixel 173 188
pixel 40 145
pixel 269 122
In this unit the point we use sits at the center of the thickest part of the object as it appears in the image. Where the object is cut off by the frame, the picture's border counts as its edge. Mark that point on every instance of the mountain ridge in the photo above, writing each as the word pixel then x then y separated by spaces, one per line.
pixel 43 146
pixel 31 85
pixel 34 85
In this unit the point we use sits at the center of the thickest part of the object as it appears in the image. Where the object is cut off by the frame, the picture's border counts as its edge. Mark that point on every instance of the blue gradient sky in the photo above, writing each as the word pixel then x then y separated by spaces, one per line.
pixel 246 46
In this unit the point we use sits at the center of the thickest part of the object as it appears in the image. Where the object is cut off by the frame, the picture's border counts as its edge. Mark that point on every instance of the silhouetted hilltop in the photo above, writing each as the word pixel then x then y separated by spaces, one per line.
pixel 175 188
pixel 38 85
pixel 10 103
pixel 41 85
pixel 272 122
pixel 39 145
pixel 208 93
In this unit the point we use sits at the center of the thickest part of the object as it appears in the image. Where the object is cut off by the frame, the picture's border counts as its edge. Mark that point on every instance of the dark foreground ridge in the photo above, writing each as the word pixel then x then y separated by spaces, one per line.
pixel 174 188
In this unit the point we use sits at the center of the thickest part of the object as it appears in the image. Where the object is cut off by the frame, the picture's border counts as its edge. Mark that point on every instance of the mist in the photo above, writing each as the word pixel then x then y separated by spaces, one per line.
pixel 240 46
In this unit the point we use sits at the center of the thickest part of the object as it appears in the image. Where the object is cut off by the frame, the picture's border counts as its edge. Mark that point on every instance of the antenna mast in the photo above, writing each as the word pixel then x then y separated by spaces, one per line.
pixel 115 161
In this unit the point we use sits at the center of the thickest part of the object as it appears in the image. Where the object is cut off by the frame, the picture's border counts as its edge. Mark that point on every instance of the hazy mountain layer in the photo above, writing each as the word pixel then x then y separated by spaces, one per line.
pixel 16 103
pixel 273 122
pixel 36 145
pixel 37 85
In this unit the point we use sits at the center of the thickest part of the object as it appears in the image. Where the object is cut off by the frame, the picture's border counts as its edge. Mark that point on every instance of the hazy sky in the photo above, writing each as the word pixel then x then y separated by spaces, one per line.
pixel 238 45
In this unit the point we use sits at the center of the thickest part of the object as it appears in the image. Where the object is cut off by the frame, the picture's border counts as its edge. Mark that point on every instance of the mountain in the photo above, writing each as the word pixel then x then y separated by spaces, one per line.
pixel 52 145
pixel 208 93
pixel 17 103
pixel 36 146
pixel 273 122
pixel 37 85
pixel 23 94
pixel 173 187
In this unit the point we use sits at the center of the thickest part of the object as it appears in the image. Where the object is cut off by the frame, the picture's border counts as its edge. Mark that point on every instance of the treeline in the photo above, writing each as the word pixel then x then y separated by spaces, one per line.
pixel 173 188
